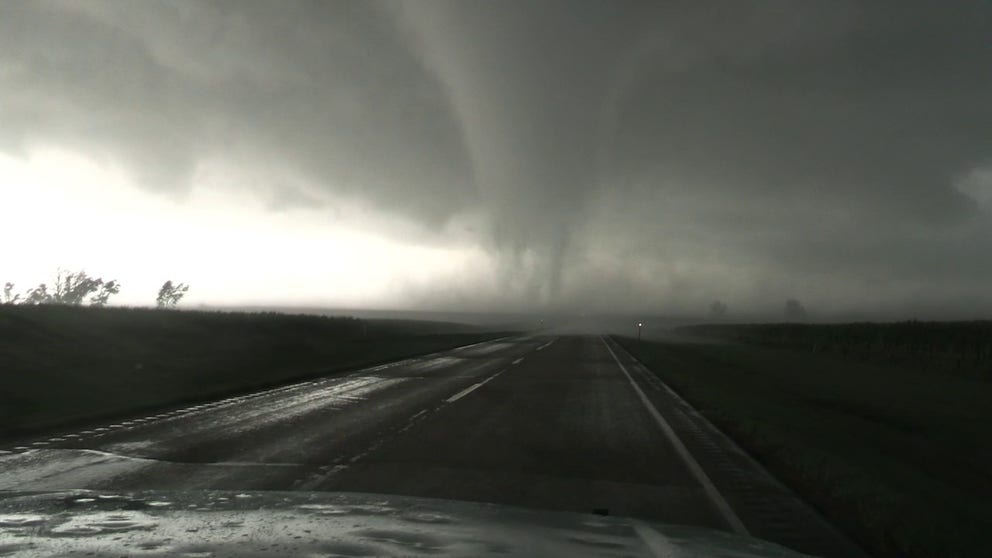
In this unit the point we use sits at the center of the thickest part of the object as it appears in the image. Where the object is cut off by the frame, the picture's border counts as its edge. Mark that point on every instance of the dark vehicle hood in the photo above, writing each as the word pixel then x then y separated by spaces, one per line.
pixel 215 524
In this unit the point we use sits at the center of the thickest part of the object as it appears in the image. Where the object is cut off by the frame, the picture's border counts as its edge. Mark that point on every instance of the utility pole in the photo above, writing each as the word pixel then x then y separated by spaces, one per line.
pixel 639 324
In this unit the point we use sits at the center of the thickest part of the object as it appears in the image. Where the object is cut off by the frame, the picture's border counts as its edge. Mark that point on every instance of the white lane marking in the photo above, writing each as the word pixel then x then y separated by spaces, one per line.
pixel 518 360
pixel 358 456
pixel 547 344
pixel 463 392
pixel 230 401
pixel 697 471
pixel 471 388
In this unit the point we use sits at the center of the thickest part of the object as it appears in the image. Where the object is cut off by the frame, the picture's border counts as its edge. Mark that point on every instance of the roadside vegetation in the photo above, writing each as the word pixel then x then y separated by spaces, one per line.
pixel 898 456
pixel 64 364
pixel 68 287
pixel 74 288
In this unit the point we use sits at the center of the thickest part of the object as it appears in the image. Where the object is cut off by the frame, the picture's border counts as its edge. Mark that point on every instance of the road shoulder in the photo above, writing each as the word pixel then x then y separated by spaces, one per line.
pixel 767 508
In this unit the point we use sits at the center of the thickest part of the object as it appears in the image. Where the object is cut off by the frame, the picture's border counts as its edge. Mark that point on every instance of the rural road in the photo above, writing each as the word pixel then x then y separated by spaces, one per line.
pixel 553 422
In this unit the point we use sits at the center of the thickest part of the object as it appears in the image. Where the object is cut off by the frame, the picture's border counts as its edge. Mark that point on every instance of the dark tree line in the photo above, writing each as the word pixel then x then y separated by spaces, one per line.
pixel 75 288
pixel 72 288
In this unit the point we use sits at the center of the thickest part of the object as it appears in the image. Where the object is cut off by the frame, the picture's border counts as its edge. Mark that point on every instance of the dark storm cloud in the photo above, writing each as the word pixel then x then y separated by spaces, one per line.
pixel 831 157
pixel 757 150
pixel 319 88
pixel 620 155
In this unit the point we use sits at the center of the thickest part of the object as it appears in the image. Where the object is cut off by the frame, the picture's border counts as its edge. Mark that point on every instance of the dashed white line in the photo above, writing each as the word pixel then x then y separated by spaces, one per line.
pixel 547 344
pixel 464 392
pixel 128 425
pixel 697 471
pixel 519 360
pixel 357 456
pixel 472 388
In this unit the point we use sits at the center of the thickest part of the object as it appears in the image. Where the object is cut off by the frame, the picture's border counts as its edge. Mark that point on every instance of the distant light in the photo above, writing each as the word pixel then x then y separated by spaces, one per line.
pixel 639 324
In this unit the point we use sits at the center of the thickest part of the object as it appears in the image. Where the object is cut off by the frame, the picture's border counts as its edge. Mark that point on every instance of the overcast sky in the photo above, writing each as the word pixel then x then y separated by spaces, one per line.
pixel 589 156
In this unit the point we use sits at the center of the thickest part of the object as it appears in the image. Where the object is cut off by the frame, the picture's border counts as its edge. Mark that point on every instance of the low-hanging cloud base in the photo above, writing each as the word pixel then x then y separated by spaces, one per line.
pixel 548 156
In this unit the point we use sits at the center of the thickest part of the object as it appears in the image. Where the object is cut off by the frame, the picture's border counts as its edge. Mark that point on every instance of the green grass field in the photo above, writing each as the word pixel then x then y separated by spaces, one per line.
pixel 900 458
pixel 61 365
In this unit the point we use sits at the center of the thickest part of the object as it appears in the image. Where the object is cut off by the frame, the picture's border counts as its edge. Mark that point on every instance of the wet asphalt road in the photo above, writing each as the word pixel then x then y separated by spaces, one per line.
pixel 554 422
pixel 537 421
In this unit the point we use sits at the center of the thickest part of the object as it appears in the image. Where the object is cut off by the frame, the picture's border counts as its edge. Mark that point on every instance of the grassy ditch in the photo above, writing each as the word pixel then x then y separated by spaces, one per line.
pixel 61 365
pixel 899 458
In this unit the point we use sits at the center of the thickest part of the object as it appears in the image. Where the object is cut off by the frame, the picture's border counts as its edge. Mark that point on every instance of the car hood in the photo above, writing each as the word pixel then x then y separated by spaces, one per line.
pixel 218 523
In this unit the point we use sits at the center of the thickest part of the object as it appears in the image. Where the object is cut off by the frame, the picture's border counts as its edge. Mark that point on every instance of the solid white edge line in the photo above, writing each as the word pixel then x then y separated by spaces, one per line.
pixel 697 471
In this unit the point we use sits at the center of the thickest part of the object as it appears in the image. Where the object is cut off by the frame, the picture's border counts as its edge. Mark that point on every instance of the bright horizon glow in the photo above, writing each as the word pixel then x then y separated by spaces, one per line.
pixel 63 209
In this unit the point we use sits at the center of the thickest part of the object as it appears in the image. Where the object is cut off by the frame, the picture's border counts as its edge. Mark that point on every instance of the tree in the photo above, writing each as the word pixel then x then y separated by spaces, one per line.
pixel 71 288
pixel 170 294
pixel 718 309
pixel 8 294
pixel 794 309
pixel 106 289
pixel 38 295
